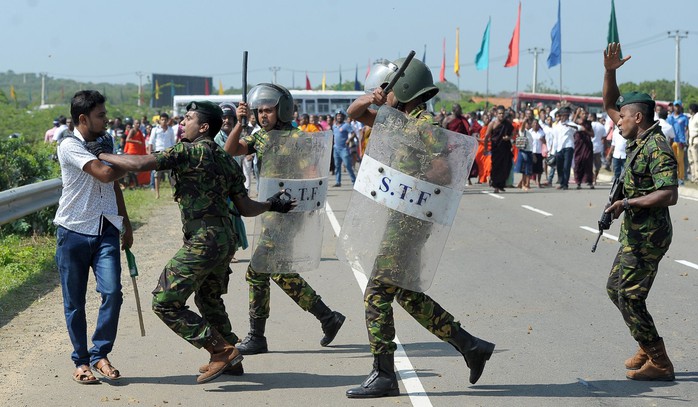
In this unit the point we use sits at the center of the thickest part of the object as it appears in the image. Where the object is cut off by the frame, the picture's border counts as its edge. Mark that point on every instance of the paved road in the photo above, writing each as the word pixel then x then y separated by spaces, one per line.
pixel 517 270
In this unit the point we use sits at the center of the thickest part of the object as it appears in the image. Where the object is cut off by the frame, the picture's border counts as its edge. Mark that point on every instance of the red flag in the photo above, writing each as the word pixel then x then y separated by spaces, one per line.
pixel 442 73
pixel 207 88
pixel 368 69
pixel 513 58
pixel 307 82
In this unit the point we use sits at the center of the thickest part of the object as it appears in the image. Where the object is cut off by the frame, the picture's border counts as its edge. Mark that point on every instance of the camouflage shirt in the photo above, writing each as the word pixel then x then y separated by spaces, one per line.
pixel 279 153
pixel 653 167
pixel 206 175
pixel 415 160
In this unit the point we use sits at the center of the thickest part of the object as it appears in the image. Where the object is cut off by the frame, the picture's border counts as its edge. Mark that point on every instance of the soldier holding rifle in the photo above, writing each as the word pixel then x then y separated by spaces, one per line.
pixel 650 186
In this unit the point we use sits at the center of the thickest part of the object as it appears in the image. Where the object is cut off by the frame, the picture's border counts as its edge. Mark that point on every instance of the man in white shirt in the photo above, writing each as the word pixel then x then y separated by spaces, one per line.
pixel 667 128
pixel 564 146
pixel 693 141
pixel 598 142
pixel 618 144
pixel 161 138
pixel 91 213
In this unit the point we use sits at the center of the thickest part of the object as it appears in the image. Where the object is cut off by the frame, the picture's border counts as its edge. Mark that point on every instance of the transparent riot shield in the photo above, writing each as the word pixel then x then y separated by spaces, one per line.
pixel 405 198
pixel 299 163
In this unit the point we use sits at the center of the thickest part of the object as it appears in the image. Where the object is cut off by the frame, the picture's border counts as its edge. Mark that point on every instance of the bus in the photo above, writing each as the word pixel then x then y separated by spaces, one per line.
pixel 317 102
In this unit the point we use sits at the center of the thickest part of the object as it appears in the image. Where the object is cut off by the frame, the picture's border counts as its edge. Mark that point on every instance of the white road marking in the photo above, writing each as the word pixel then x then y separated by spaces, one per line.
pixel 493 195
pixel 530 208
pixel 595 231
pixel 688 197
pixel 408 376
pixel 687 263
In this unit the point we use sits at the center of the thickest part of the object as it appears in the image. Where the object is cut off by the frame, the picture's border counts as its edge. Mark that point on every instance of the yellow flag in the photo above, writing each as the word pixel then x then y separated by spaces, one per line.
pixel 157 90
pixel 456 64
pixel 324 80
pixel 13 95
pixel 220 87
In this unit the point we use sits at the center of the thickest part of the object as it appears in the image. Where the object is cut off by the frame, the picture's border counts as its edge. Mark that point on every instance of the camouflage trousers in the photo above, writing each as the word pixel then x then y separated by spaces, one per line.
pixel 291 283
pixel 200 267
pixel 380 323
pixel 628 286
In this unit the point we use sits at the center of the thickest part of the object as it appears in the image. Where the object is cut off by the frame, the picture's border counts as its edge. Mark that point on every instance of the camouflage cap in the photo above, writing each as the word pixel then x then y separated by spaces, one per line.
pixel 205 107
pixel 634 97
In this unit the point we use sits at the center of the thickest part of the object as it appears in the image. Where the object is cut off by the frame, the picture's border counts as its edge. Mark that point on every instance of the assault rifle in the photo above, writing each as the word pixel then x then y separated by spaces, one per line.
pixel 616 194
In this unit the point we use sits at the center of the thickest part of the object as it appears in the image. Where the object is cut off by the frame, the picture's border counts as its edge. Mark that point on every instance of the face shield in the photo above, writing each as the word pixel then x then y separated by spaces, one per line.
pixel 378 76
pixel 262 95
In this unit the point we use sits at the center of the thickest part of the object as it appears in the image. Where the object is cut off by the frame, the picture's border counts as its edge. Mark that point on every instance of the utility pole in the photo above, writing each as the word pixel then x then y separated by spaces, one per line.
pixel 274 70
pixel 535 52
pixel 43 88
pixel 677 75
pixel 140 87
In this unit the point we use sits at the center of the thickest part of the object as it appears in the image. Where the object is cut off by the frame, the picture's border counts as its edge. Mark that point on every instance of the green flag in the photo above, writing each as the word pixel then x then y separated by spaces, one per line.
pixel 613 26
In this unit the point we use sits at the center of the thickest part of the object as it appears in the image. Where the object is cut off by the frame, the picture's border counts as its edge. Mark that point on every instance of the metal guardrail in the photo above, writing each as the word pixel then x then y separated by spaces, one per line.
pixel 22 201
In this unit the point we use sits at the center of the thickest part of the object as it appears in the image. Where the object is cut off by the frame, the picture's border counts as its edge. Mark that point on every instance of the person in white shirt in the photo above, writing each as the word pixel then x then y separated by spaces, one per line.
pixel 618 144
pixel 693 141
pixel 161 138
pixel 667 128
pixel 598 142
pixel 91 214
pixel 564 146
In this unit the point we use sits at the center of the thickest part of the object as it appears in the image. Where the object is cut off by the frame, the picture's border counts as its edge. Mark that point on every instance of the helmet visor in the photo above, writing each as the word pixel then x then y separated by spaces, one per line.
pixel 262 95
pixel 379 76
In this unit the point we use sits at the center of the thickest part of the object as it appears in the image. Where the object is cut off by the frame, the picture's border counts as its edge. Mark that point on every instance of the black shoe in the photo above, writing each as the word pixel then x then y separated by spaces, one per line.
pixel 331 321
pixel 255 342
pixel 475 351
pixel 337 185
pixel 381 382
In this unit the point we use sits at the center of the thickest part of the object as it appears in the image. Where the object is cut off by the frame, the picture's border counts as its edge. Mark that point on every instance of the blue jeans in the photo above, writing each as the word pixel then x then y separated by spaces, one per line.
pixel 564 165
pixel 618 164
pixel 75 254
pixel 342 155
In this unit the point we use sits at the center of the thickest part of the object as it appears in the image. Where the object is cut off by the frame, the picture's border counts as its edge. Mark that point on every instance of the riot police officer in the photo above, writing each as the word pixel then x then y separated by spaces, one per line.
pixel 272 106
pixel 409 95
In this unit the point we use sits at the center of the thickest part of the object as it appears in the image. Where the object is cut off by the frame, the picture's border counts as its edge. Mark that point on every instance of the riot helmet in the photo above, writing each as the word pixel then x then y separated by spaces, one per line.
pixel 268 94
pixel 416 82
pixel 378 76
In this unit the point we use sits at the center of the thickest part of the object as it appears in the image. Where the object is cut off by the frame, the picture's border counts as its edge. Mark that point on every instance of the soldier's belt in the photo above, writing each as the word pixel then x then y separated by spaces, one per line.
pixel 202 223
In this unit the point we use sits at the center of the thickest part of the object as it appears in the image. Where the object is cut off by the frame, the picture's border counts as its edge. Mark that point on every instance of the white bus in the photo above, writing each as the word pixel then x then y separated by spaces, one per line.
pixel 306 101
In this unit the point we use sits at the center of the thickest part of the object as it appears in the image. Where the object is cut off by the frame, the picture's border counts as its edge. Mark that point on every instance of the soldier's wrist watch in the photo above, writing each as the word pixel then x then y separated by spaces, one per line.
pixel 626 204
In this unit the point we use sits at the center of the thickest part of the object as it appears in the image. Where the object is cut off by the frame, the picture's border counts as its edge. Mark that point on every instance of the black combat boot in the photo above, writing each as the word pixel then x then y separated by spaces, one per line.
pixel 254 342
pixel 381 382
pixel 331 321
pixel 475 351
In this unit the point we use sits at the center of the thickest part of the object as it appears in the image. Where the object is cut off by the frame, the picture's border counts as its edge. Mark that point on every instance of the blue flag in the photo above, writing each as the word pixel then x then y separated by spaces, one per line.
pixel 482 60
pixel 356 79
pixel 555 57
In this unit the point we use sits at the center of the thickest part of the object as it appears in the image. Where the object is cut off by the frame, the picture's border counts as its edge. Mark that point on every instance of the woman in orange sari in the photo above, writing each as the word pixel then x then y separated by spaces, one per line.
pixel 483 159
pixel 135 145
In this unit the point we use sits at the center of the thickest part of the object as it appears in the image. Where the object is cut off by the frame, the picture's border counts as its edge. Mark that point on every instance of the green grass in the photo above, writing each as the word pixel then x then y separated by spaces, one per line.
pixel 27 265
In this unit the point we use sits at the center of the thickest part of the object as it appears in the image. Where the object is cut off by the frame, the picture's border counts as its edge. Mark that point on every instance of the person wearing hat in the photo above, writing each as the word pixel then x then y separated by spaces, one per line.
pixel 409 96
pixel 206 177
pixel 679 121
pixel 650 186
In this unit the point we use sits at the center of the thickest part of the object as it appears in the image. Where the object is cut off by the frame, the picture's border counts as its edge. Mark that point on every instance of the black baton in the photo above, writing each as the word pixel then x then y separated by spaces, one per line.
pixel 399 72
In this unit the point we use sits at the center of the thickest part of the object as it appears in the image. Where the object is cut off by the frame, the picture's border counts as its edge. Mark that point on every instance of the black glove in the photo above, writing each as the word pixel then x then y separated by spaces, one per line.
pixel 281 202
pixel 95 147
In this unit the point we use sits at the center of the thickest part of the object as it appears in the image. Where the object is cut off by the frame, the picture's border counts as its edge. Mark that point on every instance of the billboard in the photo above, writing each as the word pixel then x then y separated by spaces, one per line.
pixel 165 87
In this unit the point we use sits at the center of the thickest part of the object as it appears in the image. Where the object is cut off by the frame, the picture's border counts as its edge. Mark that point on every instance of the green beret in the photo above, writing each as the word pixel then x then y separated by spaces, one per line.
pixel 206 108
pixel 634 97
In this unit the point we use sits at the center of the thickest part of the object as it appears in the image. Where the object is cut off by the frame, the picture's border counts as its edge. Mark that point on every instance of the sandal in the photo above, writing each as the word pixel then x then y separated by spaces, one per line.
pixel 83 375
pixel 104 368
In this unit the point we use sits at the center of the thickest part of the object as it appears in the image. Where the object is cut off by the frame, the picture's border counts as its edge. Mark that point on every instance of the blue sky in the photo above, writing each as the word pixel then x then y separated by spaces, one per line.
pixel 97 41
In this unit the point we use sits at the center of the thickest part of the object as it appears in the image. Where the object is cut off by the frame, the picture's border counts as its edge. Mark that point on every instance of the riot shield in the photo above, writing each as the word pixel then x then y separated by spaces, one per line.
pixel 299 163
pixel 405 198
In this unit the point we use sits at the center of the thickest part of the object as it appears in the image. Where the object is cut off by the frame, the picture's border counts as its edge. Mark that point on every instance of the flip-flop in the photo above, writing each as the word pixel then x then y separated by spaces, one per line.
pixel 83 375
pixel 106 370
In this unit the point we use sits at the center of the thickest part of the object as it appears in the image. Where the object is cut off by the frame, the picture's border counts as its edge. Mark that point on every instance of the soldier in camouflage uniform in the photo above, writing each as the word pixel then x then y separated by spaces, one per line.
pixel 272 106
pixel 403 240
pixel 650 186
pixel 205 178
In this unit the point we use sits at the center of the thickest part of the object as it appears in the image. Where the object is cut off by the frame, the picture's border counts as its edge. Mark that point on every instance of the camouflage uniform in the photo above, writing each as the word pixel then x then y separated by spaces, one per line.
pixel 645 233
pixel 291 283
pixel 206 176
pixel 400 251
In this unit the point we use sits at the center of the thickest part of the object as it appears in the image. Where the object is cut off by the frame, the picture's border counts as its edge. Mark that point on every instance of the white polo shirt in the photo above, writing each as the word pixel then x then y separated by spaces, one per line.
pixel 85 201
